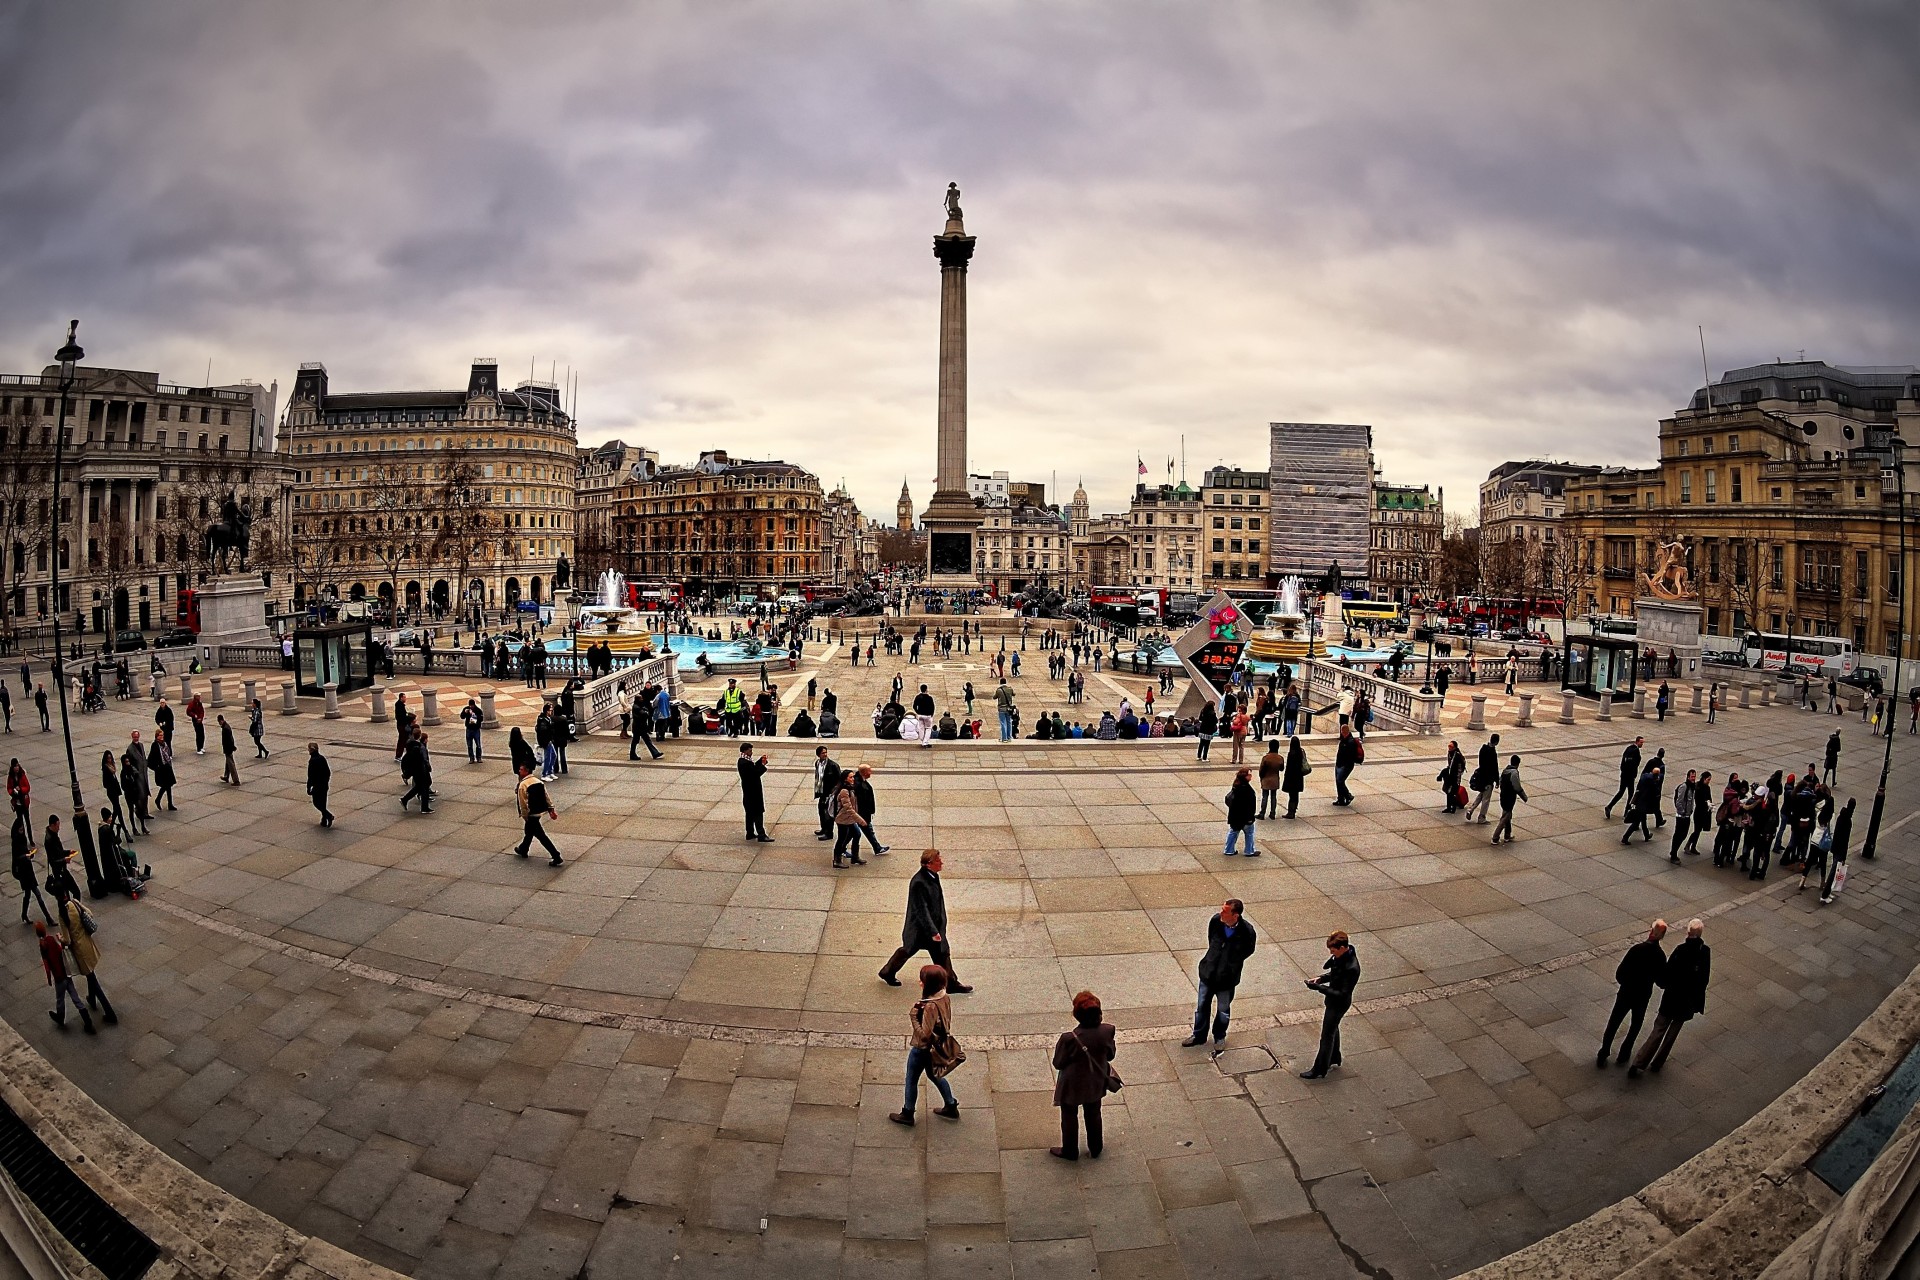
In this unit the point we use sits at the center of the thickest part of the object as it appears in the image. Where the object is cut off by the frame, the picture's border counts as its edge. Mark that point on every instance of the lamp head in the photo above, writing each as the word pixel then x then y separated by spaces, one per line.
pixel 71 354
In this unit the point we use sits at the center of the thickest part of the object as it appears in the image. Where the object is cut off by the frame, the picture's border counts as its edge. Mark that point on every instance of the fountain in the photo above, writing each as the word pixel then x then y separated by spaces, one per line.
pixel 1287 635
pixel 613 621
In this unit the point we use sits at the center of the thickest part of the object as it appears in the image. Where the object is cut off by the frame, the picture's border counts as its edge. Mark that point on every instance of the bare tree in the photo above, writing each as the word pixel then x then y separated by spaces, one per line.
pixel 465 526
pixel 1459 558
pixel 109 561
pixel 1566 569
pixel 395 527
pixel 23 535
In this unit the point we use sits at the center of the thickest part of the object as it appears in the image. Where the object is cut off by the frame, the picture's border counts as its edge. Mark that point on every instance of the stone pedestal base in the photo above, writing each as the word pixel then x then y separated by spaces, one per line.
pixel 1669 625
pixel 951 522
pixel 233 610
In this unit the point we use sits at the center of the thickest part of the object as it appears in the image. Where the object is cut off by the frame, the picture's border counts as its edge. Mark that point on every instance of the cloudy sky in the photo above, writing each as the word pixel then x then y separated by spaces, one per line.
pixel 1487 229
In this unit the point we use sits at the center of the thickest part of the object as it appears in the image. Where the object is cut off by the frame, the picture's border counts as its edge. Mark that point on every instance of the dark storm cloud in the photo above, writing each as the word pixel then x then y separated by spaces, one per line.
pixel 1487 229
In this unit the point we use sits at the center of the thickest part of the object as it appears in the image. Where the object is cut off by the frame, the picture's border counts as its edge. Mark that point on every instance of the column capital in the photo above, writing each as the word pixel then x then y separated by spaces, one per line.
pixel 953 251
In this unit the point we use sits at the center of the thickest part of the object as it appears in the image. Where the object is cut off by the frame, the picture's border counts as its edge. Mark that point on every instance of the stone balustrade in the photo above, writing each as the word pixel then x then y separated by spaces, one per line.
pixel 1399 706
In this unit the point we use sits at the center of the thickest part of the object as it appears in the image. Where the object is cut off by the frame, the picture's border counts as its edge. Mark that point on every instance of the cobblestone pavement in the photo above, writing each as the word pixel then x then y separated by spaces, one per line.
pixel 672 1057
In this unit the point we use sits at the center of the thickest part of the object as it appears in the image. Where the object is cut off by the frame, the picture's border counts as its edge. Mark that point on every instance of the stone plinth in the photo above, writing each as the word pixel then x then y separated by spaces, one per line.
pixel 1661 625
pixel 233 610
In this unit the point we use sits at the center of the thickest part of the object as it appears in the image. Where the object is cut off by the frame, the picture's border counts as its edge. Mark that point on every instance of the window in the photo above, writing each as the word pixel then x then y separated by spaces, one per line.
pixel 1778 574
pixel 1219 522
pixel 1860 580
pixel 1713 562
pixel 1776 494
pixel 1254 547
pixel 1733 444
pixel 1234 523
pixel 1219 544
pixel 1809 394
pixel 1733 479
pixel 1253 523
pixel 1219 568
pixel 1682 444
pixel 1713 484
pixel 1893 577
pixel 1686 486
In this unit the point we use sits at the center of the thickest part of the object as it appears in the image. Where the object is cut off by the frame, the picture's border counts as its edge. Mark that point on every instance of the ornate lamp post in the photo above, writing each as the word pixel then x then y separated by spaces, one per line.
pixel 1869 847
pixel 68 356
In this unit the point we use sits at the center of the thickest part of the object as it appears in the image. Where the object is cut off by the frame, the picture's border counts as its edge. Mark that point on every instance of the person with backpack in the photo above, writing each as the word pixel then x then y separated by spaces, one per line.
pixel 530 797
pixel 1645 802
pixel 1083 1059
pixel 1685 796
pixel 930 1033
pixel 1349 755
pixel 1837 854
pixel 1486 777
pixel 1204 729
pixel 1242 807
pixel 1701 808
pixel 1511 793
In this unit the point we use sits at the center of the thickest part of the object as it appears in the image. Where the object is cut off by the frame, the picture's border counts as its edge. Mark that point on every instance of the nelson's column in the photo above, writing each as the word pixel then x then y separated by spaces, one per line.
pixel 951 518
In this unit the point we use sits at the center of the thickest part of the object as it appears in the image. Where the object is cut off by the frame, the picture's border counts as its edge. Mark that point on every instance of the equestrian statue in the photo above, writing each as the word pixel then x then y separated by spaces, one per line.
pixel 232 532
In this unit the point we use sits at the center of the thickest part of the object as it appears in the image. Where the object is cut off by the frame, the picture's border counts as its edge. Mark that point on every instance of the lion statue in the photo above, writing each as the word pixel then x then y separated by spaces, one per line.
pixel 1669 579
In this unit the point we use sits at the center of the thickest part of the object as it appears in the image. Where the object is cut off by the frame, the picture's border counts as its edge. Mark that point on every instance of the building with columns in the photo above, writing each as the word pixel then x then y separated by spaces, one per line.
pixel 1021 547
pixel 604 470
pixel 842 539
pixel 435 499
pixel 147 466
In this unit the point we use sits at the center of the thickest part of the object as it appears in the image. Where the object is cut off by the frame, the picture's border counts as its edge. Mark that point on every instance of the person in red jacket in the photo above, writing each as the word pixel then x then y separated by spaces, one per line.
pixel 53 959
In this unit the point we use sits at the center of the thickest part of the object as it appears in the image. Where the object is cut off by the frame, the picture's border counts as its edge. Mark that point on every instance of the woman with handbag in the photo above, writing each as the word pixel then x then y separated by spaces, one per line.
pixel 1084 1059
pixel 1450 775
pixel 1293 779
pixel 930 1046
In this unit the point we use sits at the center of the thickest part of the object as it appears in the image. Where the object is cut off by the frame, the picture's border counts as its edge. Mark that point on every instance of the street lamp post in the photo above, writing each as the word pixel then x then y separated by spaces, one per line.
pixel 1869 847
pixel 68 356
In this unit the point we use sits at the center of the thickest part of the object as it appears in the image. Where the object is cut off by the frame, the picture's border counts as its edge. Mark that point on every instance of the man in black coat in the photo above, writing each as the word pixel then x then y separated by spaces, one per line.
pixel 926 927
pixel 752 799
pixel 1640 971
pixel 319 779
pixel 1629 774
pixel 826 784
pixel 1341 976
pixel 1230 940
pixel 863 800
pixel 1486 776
pixel 417 768
pixel 1685 980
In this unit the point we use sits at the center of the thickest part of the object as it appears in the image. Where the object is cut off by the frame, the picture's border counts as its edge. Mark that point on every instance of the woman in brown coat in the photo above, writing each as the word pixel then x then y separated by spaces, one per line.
pixel 1084 1058
pixel 83 957
pixel 931 1015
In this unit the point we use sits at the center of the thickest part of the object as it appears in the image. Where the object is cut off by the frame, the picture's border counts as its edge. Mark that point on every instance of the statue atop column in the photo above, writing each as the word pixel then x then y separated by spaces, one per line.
pixel 953 201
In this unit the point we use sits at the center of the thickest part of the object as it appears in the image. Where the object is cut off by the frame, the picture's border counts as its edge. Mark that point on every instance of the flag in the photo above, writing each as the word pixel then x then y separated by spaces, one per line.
pixel 1143 465
pixel 1169 466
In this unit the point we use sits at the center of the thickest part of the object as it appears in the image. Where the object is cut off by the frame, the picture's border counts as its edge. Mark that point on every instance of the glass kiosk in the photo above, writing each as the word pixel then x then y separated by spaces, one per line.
pixel 336 653
pixel 1595 664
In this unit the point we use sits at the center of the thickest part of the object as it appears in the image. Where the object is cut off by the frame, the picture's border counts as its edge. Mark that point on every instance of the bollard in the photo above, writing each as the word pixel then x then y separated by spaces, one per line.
pixel 186 689
pixel 1566 706
pixel 219 698
pixel 380 715
pixel 1525 718
pixel 1695 707
pixel 252 692
pixel 1606 705
pixel 1766 694
pixel 1639 711
pixel 550 698
pixel 431 696
pixel 488 718
pixel 1477 718
pixel 332 691
pixel 1746 695
pixel 288 706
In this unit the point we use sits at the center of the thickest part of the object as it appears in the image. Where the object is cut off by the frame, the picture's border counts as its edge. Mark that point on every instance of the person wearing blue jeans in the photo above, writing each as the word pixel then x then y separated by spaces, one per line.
pixel 1242 805
pixel 471 717
pixel 1003 698
pixel 1230 940
pixel 931 1019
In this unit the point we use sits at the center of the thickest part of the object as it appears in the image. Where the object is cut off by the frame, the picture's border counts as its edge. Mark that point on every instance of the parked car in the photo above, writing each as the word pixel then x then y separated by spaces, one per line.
pixel 128 641
pixel 178 638
pixel 1864 678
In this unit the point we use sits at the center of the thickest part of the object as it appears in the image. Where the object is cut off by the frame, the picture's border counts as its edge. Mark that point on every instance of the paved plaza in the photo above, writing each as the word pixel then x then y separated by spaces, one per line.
pixel 672 1055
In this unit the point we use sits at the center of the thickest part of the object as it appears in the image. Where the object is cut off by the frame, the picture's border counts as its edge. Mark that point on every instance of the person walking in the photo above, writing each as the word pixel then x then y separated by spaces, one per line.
pixel 923 712
pixel 753 800
pixel 110 783
pixel 1231 938
pixel 1450 775
pixel 257 729
pixel 1204 729
pixel 863 797
pixel 926 926
pixel 1701 807
pixel 1639 971
pixel 1686 795
pixel 1083 1059
pixel 1486 777
pixel 1662 699
pixel 1836 860
pixel 40 705
pixel 847 821
pixel 133 786
pixel 19 790
pixel 1241 808
pixel 1831 774
pixel 83 958
pixel 929 1021
pixel 642 729
pixel 231 773
pixel 1294 778
pixel 1271 765
pixel 531 799
pixel 197 717
pixel 1511 793
pixel 6 704
pixel 53 962
pixel 471 718
pixel 416 767
pixel 24 874
pixel 319 780
pixel 1346 757
pixel 826 784
pixel 1645 802
pixel 519 751
pixel 1629 774
pixel 1685 980
pixel 545 726
pixel 1340 975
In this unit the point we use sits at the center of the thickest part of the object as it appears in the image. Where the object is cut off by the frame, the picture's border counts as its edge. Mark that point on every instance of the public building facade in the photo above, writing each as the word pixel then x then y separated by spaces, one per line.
pixel 726 527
